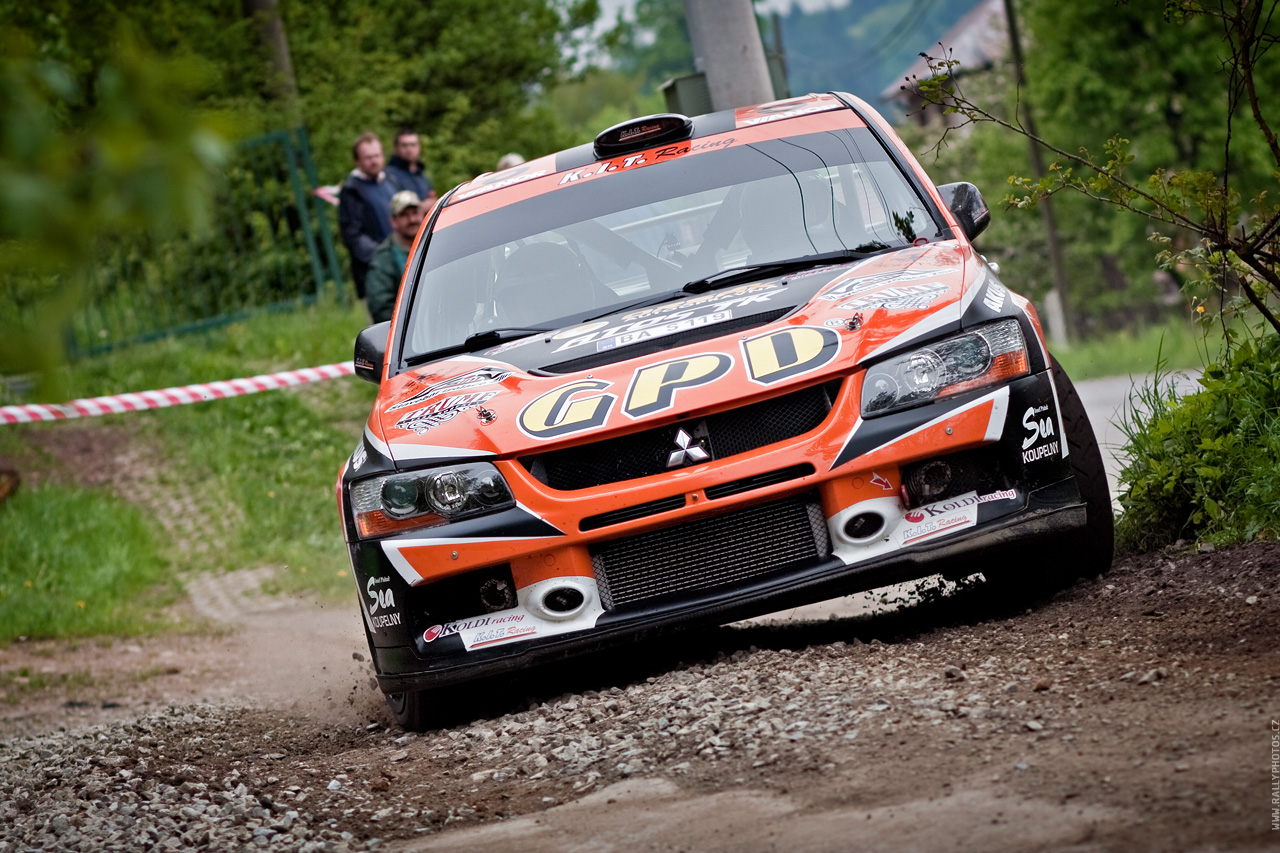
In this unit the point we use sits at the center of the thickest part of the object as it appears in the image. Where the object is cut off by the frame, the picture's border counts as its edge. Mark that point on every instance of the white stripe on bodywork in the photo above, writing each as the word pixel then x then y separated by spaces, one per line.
pixel 413 452
pixel 932 323
pixel 392 548
pixel 376 443
pixel 972 293
pixel 995 424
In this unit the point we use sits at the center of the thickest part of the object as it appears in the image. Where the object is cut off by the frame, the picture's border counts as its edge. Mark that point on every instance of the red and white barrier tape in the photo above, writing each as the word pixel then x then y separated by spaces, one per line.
pixel 180 396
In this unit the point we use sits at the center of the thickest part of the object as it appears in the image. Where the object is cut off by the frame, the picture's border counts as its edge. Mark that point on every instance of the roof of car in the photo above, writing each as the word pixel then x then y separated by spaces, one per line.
pixel 749 124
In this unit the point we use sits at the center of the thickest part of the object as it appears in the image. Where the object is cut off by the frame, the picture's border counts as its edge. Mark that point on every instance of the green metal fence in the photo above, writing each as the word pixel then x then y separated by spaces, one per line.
pixel 270 246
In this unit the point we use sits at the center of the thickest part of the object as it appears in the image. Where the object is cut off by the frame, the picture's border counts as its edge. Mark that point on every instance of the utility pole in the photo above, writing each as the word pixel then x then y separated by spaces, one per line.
pixel 727 48
pixel 1056 303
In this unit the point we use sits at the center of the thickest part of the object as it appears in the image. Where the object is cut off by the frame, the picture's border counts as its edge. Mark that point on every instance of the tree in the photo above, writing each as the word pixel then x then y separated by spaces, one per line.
pixel 83 158
pixel 1208 197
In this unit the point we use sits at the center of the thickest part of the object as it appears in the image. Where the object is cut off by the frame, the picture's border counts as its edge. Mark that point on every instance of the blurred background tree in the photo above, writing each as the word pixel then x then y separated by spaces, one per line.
pixel 88 151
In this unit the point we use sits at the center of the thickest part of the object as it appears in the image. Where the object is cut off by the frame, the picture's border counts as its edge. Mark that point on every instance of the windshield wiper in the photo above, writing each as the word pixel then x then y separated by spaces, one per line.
pixel 478 341
pixel 665 296
pixel 493 337
pixel 749 272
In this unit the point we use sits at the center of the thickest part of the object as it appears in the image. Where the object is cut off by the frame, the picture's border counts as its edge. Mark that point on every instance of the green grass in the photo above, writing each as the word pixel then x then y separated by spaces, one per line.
pixel 78 563
pixel 1180 346
pixel 235 483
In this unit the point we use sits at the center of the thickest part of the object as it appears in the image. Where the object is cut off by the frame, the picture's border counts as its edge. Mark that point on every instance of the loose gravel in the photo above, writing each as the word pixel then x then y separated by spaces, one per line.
pixel 1143 692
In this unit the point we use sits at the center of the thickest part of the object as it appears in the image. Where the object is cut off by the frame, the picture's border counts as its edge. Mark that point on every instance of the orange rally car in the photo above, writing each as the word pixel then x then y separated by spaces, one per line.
pixel 698 370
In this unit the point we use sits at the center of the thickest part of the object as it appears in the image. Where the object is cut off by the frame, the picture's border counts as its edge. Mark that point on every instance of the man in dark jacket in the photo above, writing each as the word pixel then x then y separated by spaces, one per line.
pixel 405 168
pixel 364 206
pixel 387 266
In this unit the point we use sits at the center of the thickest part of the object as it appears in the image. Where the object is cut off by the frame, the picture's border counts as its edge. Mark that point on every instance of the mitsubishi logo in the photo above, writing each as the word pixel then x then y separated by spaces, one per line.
pixel 688 451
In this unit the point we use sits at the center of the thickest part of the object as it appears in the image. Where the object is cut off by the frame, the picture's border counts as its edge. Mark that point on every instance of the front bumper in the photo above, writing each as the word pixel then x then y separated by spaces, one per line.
pixel 1053 515
pixel 683 580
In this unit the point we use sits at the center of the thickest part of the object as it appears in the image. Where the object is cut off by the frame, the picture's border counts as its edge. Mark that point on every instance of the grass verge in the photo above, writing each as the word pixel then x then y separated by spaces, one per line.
pixel 78 563
pixel 223 485
pixel 1179 346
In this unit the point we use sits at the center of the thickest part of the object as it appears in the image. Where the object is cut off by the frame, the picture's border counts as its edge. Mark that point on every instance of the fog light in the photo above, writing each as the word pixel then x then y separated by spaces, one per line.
pixel 930 481
pixel 565 599
pixel 864 525
pixel 497 594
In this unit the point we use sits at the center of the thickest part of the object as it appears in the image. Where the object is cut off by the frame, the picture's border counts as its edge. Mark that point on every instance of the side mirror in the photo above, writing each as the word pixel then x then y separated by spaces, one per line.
pixel 371 352
pixel 964 200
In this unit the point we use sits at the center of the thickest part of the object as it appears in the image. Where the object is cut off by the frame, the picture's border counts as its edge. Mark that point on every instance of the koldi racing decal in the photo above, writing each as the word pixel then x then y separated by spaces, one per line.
pixel 944 517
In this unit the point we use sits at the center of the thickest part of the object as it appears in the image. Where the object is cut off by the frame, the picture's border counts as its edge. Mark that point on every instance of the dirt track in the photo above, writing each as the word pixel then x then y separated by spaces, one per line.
pixel 1132 713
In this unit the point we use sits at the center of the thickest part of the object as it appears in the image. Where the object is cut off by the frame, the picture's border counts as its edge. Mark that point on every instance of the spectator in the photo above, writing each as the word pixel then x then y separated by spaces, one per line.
pixel 509 160
pixel 363 206
pixel 387 266
pixel 405 168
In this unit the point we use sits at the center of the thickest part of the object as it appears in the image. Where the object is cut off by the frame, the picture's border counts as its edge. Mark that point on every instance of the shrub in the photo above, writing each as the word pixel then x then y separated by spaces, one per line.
pixel 1206 466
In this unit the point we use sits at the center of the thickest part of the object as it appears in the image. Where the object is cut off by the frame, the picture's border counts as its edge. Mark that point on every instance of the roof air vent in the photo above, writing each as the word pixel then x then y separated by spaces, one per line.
pixel 640 133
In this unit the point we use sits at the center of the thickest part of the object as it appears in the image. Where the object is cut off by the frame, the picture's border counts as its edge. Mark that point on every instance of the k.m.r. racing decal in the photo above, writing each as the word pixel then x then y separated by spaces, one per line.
pixel 442 411
pixel 488 375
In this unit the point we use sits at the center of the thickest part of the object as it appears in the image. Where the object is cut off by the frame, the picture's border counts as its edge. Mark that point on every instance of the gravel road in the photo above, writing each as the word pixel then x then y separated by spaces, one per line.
pixel 1130 712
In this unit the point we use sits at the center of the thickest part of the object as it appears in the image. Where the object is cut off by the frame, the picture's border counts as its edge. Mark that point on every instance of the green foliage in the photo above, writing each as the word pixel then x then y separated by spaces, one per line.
pixel 462 73
pixel 77 563
pixel 1182 88
pixel 83 158
pixel 1204 466
pixel 653 45
pixel 598 99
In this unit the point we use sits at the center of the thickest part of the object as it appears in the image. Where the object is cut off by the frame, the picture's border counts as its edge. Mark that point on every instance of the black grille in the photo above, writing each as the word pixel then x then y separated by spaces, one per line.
pixel 759 481
pixel 692 336
pixel 722 435
pixel 711 553
pixel 617 516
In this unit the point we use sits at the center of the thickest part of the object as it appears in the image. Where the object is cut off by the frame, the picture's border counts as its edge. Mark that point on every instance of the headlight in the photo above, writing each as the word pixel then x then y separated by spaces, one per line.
pixel 427 498
pixel 986 356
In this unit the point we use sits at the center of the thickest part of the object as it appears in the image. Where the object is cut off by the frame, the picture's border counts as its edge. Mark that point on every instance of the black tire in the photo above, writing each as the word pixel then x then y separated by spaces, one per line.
pixel 1095 548
pixel 411 710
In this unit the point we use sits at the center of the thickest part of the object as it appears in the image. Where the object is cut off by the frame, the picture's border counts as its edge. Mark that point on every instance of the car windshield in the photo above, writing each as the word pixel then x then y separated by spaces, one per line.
pixel 589 247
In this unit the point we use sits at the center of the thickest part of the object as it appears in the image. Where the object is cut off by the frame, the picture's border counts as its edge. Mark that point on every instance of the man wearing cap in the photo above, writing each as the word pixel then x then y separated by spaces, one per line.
pixel 387 266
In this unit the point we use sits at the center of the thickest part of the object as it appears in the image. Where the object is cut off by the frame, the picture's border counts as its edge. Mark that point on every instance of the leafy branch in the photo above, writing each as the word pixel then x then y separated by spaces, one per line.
pixel 1231 245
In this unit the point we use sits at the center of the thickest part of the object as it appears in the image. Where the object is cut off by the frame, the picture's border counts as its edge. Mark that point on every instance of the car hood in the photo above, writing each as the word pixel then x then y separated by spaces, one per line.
pixel 593 380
